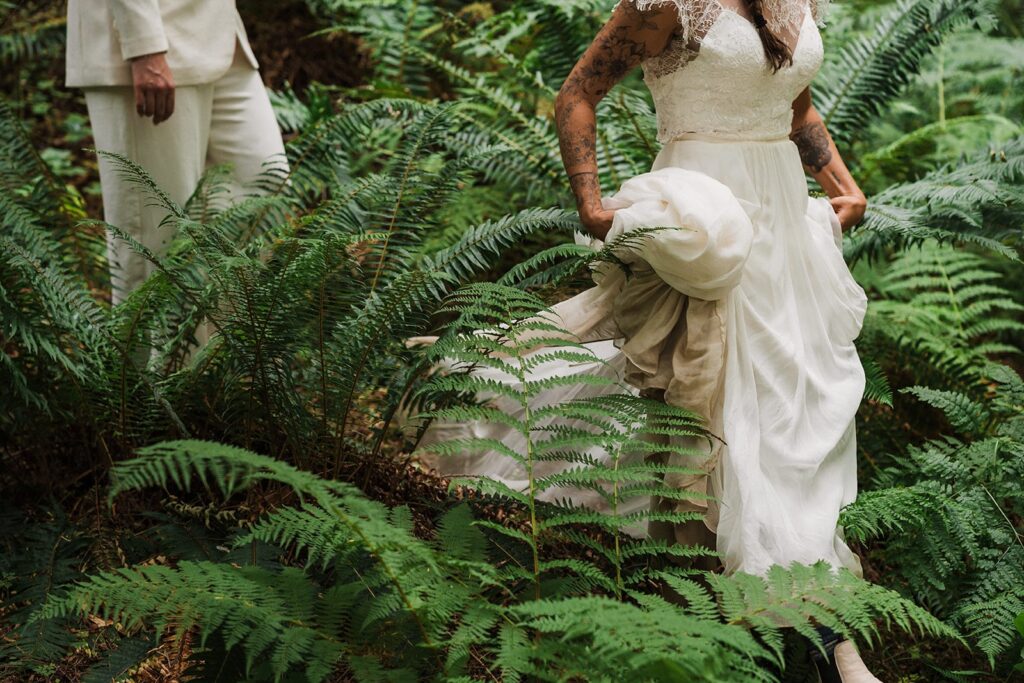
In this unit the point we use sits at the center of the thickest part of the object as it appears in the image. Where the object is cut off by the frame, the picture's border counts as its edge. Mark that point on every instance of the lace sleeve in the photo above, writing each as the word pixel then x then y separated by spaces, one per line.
pixel 697 16
pixel 694 16
pixel 819 9
pixel 695 20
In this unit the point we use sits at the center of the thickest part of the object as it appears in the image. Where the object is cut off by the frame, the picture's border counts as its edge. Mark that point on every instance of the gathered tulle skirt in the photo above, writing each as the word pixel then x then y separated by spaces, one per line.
pixel 747 316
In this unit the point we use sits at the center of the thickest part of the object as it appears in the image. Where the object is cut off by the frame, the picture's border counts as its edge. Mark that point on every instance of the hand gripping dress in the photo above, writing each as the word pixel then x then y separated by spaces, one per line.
pixel 747 314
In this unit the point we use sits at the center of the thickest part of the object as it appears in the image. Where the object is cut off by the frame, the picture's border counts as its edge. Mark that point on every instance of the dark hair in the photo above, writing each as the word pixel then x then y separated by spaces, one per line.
pixel 775 50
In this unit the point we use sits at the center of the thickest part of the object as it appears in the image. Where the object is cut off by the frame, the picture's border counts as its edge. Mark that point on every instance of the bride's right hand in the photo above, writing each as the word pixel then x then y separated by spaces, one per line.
pixel 597 222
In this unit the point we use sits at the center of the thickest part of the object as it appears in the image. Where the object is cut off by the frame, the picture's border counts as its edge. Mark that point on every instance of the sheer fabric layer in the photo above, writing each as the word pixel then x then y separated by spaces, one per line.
pixel 648 331
pixel 768 358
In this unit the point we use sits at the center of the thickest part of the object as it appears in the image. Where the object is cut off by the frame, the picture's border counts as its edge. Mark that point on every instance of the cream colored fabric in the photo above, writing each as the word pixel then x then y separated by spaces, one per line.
pixel 644 332
pixel 704 256
pixel 793 380
pixel 228 121
pixel 851 667
pixel 199 37
pixel 770 363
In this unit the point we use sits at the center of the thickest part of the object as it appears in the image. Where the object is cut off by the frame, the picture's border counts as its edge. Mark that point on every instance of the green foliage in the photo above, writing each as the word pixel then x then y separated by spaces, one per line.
pixel 949 508
pixel 943 310
pixel 499 330
pixel 24 36
pixel 974 200
pixel 117 664
pixel 383 604
pixel 876 384
pixel 318 304
pixel 38 562
pixel 871 70
pixel 385 585
pixel 443 170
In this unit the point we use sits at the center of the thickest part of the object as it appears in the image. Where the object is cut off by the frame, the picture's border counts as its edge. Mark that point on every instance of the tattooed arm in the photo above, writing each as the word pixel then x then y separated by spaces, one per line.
pixel 629 37
pixel 821 159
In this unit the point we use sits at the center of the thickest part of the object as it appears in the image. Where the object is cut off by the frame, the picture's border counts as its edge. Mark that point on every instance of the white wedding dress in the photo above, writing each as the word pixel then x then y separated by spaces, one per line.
pixel 747 314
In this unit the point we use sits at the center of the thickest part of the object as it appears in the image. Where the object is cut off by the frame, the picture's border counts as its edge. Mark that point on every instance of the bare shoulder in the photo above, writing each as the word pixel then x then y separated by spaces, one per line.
pixel 649 22
pixel 637 30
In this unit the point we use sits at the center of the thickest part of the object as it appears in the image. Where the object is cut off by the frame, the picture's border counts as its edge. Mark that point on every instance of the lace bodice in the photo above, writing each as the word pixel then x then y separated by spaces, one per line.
pixel 713 78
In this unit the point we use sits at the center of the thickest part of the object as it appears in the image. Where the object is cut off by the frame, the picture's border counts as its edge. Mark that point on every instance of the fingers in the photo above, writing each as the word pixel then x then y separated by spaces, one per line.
pixel 149 98
pixel 163 106
pixel 170 102
pixel 155 101
pixel 848 217
pixel 850 210
pixel 158 106
pixel 154 86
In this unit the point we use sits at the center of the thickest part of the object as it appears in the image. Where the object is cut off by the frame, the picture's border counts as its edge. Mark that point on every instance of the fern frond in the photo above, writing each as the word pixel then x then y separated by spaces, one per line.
pixel 869 71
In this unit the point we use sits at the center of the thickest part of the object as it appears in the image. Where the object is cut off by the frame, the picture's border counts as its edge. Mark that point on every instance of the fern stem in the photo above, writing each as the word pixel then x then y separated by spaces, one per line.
pixel 602 140
pixel 942 83
pixel 125 362
pixel 524 400
pixel 999 507
pixel 407 29
pixel 390 415
pixel 399 198
pixel 530 455
pixel 648 145
pixel 954 301
pixel 350 401
pixel 321 344
pixel 393 578
pixel 257 366
pixel 854 77
pixel 618 542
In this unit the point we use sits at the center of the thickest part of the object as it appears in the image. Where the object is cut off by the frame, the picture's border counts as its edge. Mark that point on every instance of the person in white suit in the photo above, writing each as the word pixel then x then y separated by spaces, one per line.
pixel 174 86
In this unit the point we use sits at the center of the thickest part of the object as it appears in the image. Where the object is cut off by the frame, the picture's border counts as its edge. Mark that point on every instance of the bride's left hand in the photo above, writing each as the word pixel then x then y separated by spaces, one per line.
pixel 850 209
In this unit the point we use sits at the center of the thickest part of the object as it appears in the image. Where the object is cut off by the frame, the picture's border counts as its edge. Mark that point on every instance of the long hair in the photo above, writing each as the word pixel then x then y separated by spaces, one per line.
pixel 776 51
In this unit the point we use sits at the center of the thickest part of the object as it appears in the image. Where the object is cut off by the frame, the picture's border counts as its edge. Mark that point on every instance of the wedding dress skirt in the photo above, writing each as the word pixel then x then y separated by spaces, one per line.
pixel 746 315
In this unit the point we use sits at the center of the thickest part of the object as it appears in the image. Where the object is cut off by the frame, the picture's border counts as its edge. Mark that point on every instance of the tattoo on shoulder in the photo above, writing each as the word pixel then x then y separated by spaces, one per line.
pixel 633 35
pixel 644 18
pixel 812 141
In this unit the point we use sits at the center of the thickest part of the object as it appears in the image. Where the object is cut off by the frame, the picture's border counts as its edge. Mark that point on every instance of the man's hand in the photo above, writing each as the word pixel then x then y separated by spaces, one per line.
pixel 154 87
pixel 850 209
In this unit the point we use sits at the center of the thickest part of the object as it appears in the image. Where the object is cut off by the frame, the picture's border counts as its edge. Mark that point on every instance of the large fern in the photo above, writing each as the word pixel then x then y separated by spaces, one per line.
pixel 950 508
pixel 869 71
pixel 376 600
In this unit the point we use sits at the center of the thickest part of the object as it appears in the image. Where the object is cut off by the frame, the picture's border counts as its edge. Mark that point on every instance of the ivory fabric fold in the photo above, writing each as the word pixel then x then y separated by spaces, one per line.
pixel 743 311
pixel 644 332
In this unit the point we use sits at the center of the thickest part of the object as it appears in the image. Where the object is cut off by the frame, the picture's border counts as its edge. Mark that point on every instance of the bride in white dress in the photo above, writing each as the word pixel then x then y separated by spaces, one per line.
pixel 749 315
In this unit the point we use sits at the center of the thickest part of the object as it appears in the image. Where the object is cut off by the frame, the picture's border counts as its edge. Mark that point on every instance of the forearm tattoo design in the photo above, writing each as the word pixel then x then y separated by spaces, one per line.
pixel 615 52
pixel 579 146
pixel 586 187
pixel 813 143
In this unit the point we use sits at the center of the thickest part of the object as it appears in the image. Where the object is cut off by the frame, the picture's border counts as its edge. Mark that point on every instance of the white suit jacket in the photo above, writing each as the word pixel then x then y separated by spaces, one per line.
pixel 199 37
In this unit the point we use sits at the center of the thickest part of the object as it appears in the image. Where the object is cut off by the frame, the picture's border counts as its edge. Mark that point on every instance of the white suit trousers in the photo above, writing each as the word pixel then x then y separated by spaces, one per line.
pixel 227 121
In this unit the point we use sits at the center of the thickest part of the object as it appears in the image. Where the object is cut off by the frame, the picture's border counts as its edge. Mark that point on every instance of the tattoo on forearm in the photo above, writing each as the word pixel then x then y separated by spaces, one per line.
pixel 586 188
pixel 578 144
pixel 813 143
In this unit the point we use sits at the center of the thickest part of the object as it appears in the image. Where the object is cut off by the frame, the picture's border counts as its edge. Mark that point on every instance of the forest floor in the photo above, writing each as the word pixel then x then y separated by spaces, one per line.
pixel 291 57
